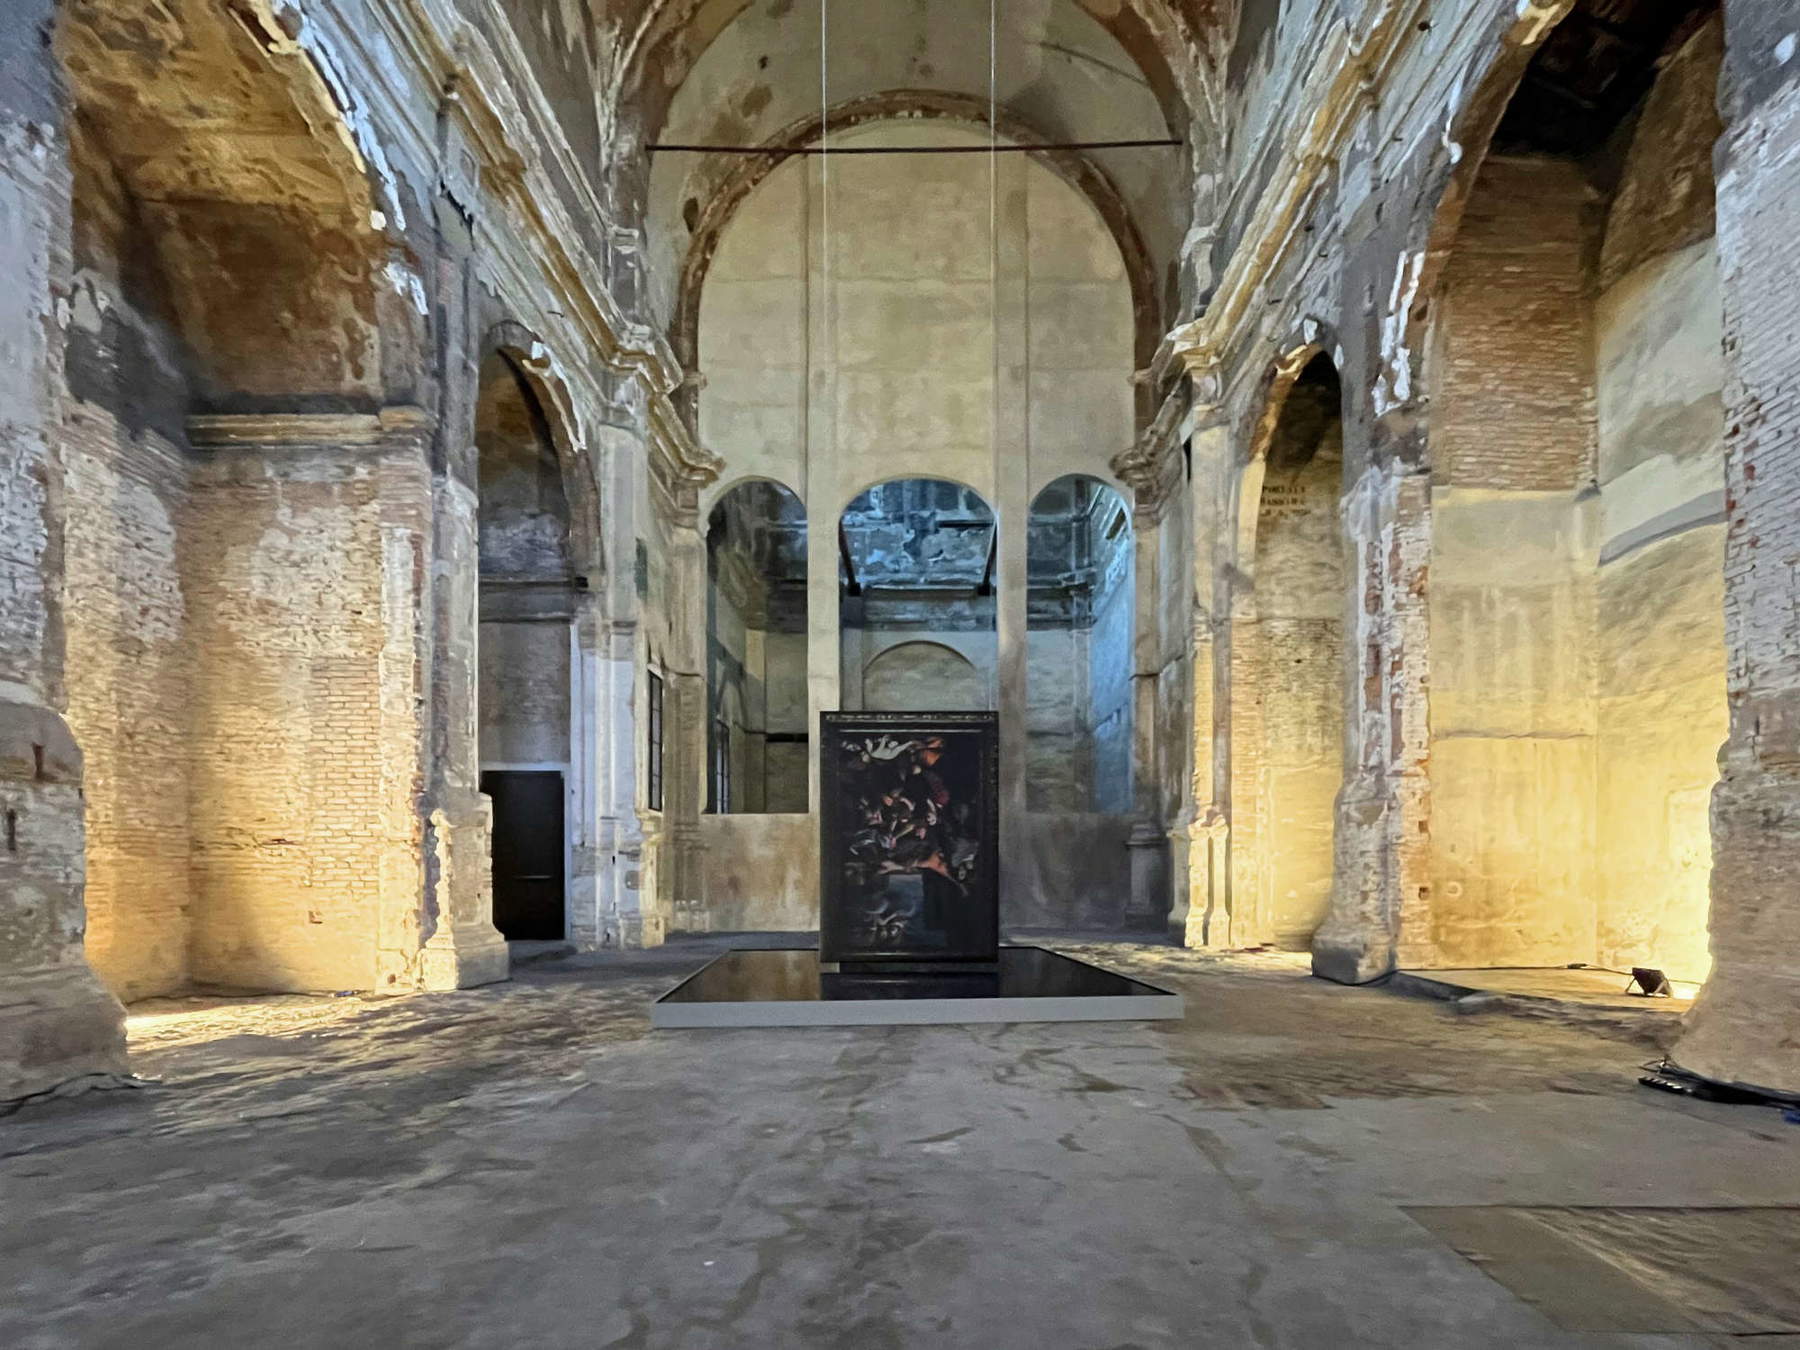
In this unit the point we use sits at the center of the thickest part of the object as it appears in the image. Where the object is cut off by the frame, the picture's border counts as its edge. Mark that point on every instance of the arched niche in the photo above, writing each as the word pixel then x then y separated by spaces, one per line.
pixel 756 629
pixel 1288 658
pixel 1080 622
pixel 526 651
pixel 1576 376
pixel 222 303
pixel 916 568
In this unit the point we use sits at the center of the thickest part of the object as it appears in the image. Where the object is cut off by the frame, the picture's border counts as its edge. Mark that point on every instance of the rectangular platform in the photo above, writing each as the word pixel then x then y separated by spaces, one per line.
pixel 788 988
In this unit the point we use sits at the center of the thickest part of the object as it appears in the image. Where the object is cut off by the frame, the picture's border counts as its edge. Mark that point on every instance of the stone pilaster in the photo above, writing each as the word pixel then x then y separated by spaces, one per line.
pixel 1745 1026
pixel 56 1020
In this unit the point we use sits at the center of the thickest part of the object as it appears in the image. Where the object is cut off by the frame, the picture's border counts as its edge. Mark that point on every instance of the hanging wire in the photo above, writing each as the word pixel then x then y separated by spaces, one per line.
pixel 816 425
pixel 994 249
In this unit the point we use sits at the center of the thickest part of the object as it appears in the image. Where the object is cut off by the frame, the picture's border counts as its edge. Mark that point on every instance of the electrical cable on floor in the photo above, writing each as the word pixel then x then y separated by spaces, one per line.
pixel 1667 1076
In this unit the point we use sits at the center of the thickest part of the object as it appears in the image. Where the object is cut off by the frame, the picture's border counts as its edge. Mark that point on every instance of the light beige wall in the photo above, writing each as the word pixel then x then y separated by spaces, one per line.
pixel 1512 721
pixel 922 677
pixel 1661 678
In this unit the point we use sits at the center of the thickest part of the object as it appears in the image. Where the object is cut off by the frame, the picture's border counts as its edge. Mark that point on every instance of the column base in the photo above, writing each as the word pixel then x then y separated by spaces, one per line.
pixel 55 1025
pixel 464 961
pixel 1351 960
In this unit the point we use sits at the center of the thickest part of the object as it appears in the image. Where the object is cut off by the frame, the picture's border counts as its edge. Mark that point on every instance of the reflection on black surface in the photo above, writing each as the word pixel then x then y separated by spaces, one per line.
pixel 794 977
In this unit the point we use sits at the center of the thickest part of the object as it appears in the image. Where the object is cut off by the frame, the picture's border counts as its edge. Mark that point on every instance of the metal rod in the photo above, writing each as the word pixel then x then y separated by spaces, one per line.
pixel 911 149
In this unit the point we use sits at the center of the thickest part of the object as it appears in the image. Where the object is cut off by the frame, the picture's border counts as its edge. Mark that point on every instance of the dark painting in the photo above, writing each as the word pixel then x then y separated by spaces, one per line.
pixel 910 846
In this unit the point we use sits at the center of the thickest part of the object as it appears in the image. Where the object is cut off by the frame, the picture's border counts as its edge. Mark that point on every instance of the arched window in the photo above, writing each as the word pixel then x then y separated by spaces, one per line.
pixel 1079 670
pixel 916 598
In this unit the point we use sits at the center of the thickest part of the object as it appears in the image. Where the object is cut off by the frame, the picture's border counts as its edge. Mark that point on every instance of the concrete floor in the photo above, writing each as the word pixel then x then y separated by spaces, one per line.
pixel 532 1166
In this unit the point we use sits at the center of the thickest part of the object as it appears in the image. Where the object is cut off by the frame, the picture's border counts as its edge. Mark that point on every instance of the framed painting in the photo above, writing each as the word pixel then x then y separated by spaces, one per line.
pixel 909 837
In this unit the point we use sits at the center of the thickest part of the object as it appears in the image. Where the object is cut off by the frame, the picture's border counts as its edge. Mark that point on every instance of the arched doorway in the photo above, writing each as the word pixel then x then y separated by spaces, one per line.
pixel 527 651
pixel 1287 663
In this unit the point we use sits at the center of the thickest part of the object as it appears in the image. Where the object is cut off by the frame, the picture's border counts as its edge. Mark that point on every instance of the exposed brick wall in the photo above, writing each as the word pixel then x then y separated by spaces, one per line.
pixel 1513 403
pixel 293 778
pixel 130 678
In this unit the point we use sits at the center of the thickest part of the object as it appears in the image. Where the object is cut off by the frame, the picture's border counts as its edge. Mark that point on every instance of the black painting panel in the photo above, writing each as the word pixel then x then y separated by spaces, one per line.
pixel 910 837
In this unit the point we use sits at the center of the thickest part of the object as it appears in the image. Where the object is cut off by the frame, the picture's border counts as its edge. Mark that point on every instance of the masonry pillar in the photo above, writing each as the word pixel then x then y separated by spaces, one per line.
pixel 1012 516
pixel 462 948
pixel 623 890
pixel 685 714
pixel 1745 1026
pixel 1148 841
pixel 56 1021
pixel 1380 892
pixel 1198 913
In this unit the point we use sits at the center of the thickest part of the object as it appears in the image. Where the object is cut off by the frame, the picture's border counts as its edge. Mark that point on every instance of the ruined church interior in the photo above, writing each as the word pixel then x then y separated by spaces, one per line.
pixel 1041 674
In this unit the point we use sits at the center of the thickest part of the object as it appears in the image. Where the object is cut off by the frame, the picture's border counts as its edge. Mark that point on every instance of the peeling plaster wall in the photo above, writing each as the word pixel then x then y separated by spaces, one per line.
pixel 524 696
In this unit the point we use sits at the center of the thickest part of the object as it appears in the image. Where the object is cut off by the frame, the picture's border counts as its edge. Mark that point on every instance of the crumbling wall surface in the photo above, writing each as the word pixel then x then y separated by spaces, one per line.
pixel 131 689
pixel 1746 1024
pixel 56 1020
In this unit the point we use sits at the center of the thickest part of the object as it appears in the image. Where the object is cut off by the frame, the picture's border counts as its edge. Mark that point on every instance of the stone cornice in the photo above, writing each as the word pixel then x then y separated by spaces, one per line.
pixel 1151 466
pixel 270 431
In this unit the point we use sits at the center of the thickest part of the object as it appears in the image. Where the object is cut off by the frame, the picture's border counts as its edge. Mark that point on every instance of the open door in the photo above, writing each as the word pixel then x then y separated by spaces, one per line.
pixel 527 854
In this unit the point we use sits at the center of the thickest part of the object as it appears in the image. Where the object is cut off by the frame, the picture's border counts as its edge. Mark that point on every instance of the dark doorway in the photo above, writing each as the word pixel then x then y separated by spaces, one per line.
pixel 528 854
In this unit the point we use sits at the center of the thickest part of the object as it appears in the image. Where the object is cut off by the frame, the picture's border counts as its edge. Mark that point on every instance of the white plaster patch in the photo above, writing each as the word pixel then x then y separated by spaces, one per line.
pixel 1453 147
pixel 1784 50
pixel 405 281
pixel 1394 387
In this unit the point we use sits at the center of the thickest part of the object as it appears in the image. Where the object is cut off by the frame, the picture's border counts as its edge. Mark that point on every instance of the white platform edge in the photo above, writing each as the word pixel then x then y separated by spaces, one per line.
pixel 917 1012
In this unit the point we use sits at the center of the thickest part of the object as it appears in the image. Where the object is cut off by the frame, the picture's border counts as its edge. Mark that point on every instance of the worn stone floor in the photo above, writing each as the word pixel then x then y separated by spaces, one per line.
pixel 532 1166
